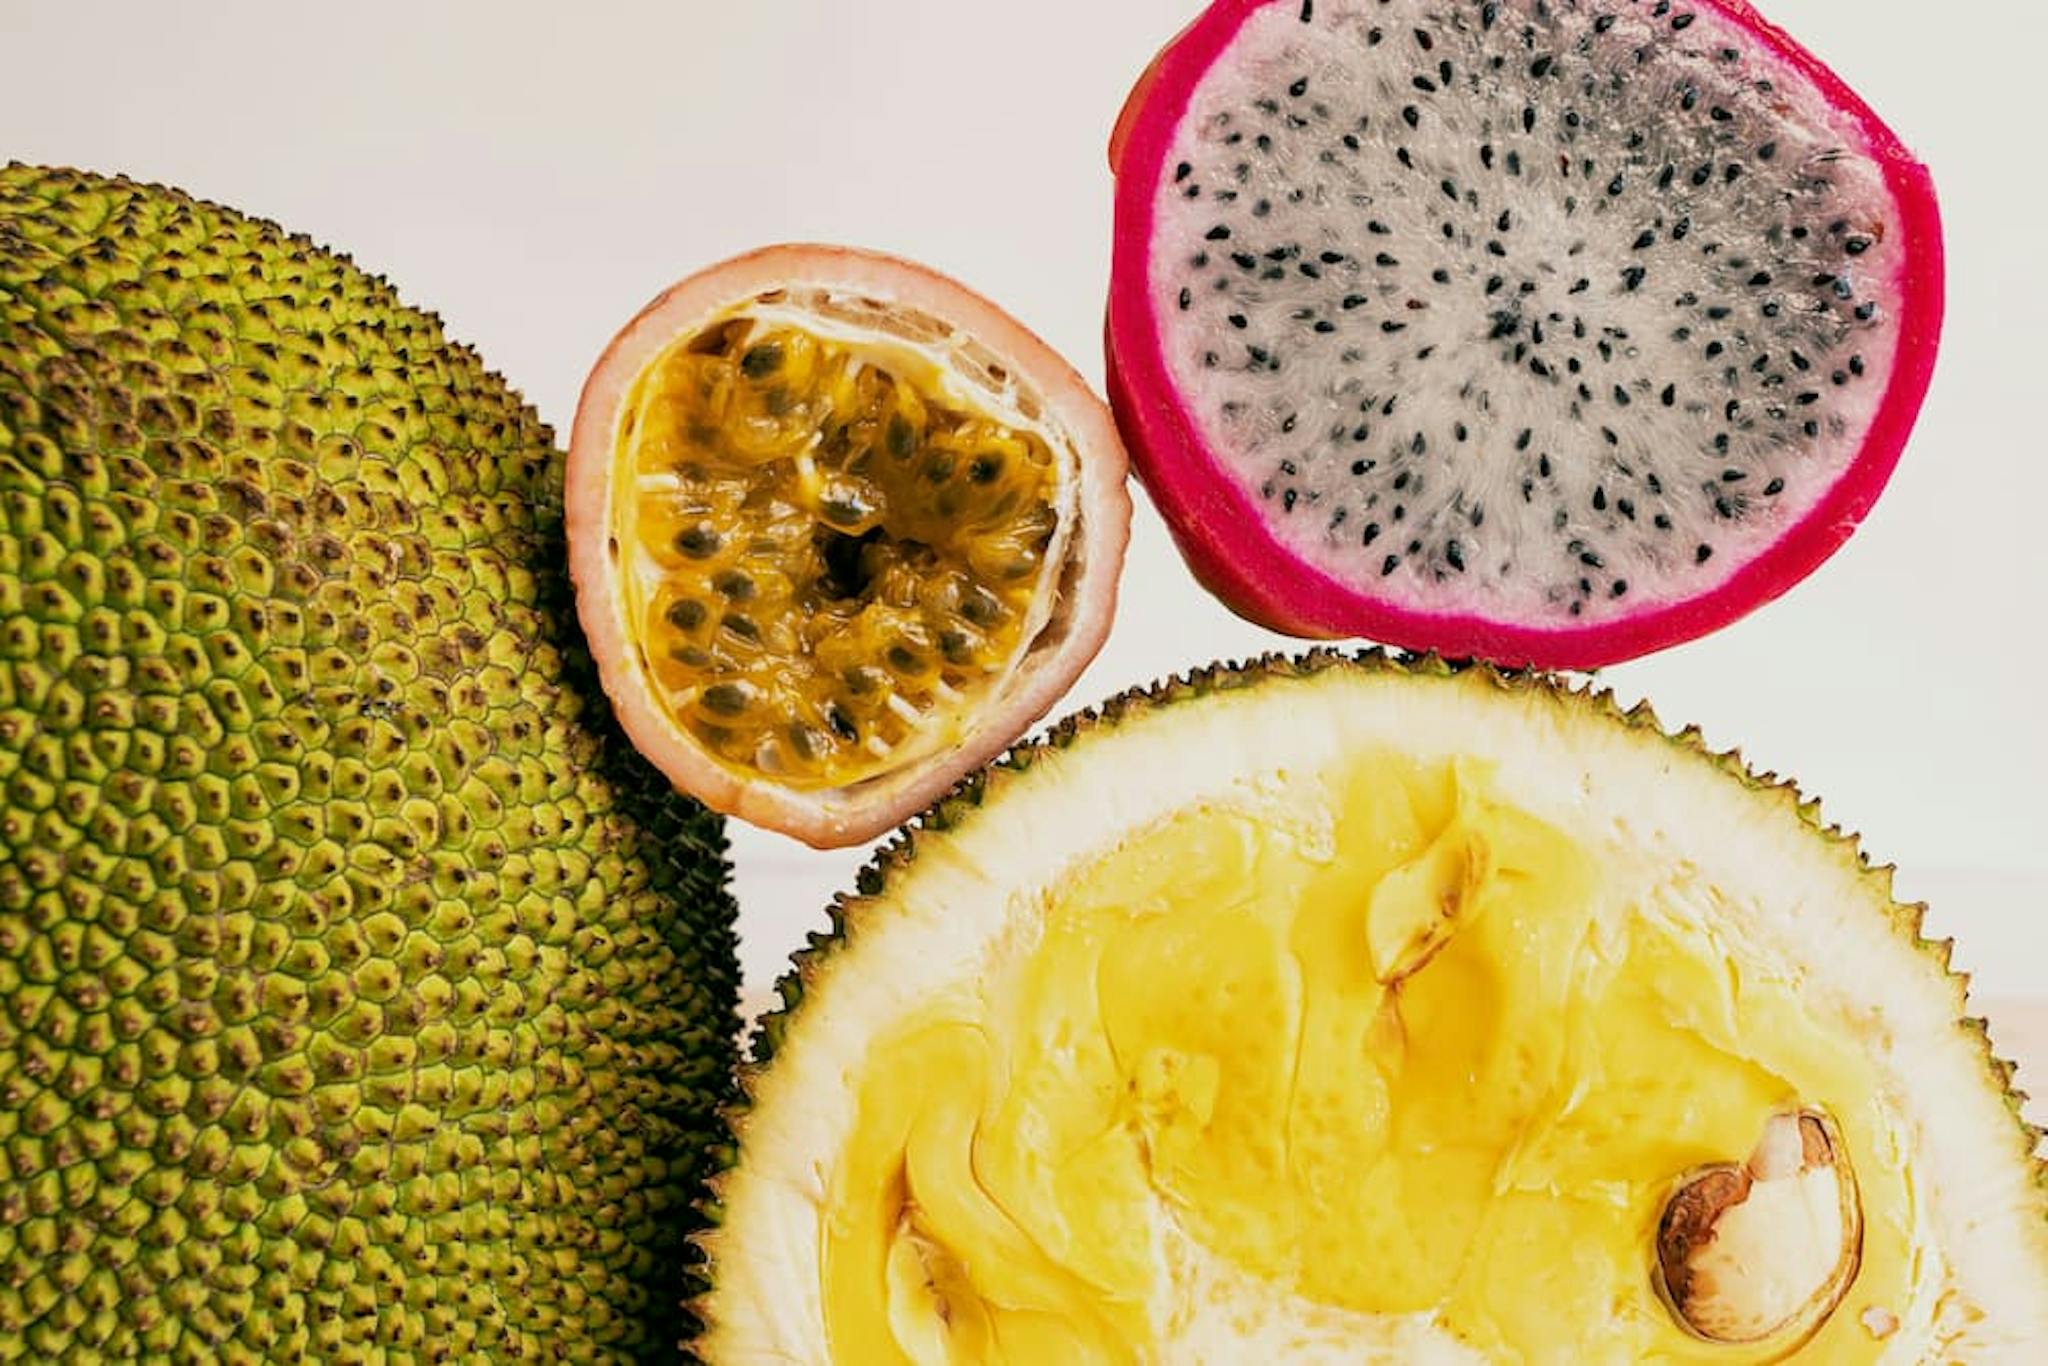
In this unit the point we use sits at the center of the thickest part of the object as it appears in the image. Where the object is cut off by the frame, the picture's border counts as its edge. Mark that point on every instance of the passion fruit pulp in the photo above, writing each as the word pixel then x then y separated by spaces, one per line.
pixel 831 559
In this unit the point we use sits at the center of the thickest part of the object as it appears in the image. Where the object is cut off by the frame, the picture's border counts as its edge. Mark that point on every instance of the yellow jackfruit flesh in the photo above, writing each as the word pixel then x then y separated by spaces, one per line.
pixel 1392 1075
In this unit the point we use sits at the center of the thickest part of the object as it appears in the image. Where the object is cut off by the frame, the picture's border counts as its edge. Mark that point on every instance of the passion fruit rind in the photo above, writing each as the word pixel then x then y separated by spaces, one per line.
pixel 963 803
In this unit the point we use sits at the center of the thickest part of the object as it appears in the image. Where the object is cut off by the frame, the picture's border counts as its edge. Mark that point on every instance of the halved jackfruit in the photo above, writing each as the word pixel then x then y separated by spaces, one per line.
pixel 1353 1010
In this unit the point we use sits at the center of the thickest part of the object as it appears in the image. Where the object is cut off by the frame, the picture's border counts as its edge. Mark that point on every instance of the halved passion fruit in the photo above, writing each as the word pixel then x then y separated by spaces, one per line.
pixel 841 530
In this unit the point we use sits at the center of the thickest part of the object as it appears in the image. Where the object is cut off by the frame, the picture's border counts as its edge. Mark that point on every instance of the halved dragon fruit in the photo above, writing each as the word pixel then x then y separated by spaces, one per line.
pixel 1546 331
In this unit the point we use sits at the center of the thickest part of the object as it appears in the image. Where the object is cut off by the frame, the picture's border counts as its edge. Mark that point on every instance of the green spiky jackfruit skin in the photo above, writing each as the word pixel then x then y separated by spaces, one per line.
pixel 362 997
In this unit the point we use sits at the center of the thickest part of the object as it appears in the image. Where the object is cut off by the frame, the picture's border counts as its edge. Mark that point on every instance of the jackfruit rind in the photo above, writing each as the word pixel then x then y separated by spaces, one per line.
pixel 362 997
pixel 978 865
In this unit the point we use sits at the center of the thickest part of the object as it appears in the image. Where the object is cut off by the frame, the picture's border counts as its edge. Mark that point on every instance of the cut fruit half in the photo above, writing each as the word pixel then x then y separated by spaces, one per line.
pixel 841 530
pixel 1355 1011
pixel 1548 334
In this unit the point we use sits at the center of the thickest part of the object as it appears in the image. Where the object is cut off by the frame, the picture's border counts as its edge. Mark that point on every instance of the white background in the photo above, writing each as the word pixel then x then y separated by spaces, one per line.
pixel 536 171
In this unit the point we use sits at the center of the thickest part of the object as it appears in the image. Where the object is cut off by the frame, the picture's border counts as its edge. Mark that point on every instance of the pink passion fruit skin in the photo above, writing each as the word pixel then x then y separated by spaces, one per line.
pixel 1222 531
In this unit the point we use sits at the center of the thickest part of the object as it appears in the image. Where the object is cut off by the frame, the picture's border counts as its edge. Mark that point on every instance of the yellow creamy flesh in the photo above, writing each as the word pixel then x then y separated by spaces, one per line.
pixel 1421 1058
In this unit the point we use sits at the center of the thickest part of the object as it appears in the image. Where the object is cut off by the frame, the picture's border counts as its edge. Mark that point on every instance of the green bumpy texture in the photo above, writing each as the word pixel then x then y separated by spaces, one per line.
pixel 362 997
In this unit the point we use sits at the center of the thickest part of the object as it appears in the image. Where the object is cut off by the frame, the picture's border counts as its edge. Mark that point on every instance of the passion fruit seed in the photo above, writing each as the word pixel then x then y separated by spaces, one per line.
pixel 1746 1253
pixel 833 556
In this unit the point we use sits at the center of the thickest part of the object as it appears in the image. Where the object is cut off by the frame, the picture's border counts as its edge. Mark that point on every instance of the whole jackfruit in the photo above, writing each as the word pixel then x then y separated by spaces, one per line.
pixel 361 997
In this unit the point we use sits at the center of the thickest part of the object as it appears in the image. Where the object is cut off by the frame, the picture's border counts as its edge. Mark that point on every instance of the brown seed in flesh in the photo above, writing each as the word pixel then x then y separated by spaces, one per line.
pixel 1767 1248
